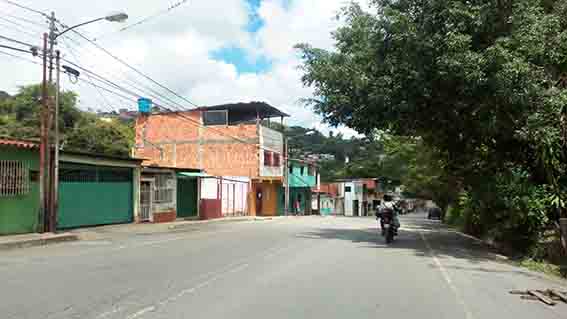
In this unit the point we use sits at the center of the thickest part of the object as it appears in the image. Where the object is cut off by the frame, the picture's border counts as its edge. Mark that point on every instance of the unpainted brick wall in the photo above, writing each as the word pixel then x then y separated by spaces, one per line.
pixel 184 144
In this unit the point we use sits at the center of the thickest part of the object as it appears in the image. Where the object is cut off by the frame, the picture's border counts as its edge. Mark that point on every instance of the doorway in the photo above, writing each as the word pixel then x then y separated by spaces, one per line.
pixel 355 205
pixel 146 200
pixel 259 196
pixel 187 198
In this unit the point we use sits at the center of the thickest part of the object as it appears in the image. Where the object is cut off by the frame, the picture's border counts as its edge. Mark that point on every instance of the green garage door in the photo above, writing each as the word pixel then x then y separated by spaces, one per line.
pixel 94 195
pixel 186 197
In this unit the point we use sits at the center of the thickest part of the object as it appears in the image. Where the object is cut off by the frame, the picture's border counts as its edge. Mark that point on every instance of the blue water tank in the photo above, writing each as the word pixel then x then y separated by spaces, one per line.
pixel 144 105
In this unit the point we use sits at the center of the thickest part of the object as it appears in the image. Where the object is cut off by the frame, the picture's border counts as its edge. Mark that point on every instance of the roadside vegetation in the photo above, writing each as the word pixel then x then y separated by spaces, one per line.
pixel 80 130
pixel 471 97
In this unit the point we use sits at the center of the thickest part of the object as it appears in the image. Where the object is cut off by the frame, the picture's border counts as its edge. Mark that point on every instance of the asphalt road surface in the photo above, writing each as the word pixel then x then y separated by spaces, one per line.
pixel 306 267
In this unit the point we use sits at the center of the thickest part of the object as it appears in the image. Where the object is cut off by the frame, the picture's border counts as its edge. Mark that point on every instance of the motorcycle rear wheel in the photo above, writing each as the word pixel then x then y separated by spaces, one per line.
pixel 390 236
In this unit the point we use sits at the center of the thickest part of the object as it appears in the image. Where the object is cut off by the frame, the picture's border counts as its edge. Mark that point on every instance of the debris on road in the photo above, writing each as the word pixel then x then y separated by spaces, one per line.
pixel 548 296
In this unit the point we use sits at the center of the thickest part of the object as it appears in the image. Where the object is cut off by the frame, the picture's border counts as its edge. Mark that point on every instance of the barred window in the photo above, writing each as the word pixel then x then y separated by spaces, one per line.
pixel 14 178
pixel 267 158
pixel 164 188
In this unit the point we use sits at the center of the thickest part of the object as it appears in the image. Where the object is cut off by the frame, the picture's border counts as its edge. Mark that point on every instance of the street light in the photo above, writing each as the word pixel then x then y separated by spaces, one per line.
pixel 114 17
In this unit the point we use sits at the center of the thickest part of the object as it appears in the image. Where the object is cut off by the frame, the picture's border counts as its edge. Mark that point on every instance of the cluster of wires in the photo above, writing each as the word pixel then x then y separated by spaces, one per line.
pixel 124 85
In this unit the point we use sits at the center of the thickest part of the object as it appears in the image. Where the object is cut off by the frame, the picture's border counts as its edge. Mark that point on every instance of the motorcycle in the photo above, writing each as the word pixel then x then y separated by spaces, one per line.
pixel 389 229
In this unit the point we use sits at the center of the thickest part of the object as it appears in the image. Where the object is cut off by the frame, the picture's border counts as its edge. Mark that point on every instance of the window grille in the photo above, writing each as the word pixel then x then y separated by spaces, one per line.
pixel 93 174
pixel 276 160
pixel 164 188
pixel 14 178
pixel 267 158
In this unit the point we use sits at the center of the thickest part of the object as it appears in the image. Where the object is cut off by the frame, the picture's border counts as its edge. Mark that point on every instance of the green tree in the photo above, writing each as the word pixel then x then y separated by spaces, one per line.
pixel 482 83
pixel 100 137
pixel 82 131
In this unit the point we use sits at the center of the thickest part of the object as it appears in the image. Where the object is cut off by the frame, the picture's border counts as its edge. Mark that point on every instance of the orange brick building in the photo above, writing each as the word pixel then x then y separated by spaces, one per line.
pixel 225 141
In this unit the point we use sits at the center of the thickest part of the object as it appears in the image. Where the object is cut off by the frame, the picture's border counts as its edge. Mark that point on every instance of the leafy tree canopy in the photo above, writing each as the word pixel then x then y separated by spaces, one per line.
pixel 483 84
pixel 80 131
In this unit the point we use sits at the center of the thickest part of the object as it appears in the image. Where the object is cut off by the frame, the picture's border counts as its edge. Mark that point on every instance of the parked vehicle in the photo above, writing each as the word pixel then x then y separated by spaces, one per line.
pixel 434 213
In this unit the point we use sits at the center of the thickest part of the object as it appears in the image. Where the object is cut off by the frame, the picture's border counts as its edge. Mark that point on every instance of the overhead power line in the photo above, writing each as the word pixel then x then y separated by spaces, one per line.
pixel 39 24
pixel 20 57
pixel 132 68
pixel 97 89
pixel 20 30
pixel 15 49
pixel 94 76
pixel 148 18
pixel 108 82
pixel 16 23
pixel 80 79
pixel 21 6
pixel 17 41
pixel 135 95
pixel 155 94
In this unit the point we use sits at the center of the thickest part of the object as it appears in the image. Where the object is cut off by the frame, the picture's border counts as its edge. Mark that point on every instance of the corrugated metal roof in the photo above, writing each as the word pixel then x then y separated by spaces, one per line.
pixel 263 109
pixel 18 143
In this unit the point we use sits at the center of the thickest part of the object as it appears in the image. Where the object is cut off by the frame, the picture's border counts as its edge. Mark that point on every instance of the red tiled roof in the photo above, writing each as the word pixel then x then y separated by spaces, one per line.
pixel 329 188
pixel 18 143
pixel 370 183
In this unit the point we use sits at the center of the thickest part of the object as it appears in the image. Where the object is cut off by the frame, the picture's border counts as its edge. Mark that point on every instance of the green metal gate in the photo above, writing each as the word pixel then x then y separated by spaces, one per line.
pixel 186 197
pixel 94 195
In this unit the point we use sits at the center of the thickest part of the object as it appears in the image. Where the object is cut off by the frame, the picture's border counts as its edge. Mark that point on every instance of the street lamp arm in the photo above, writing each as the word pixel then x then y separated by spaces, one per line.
pixel 116 17
pixel 78 25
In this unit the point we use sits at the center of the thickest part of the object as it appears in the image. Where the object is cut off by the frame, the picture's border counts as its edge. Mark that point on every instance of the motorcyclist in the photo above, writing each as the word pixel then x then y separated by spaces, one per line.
pixel 388 203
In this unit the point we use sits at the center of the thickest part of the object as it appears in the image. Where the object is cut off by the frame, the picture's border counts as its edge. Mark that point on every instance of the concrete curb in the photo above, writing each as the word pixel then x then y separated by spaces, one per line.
pixel 484 242
pixel 185 224
pixel 508 260
pixel 42 241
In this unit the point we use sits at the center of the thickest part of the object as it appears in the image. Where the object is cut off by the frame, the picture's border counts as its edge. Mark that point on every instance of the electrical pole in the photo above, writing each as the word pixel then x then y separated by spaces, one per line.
pixel 55 177
pixel 52 37
pixel 49 165
pixel 286 176
pixel 43 142
pixel 51 118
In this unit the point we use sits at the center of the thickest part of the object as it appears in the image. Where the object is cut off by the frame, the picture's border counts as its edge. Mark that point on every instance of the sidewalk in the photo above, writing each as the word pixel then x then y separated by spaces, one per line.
pixel 100 232
pixel 35 239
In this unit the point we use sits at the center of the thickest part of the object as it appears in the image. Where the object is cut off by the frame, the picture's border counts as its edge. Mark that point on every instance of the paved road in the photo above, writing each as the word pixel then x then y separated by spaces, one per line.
pixel 310 267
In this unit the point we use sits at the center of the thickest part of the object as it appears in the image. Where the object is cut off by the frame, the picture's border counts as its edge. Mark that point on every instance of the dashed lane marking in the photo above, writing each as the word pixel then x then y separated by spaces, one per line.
pixel 447 278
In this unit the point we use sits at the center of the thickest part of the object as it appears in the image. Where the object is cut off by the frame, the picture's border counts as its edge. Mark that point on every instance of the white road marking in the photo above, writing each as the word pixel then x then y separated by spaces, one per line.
pixel 212 277
pixel 447 278
pixel 141 312
pixel 108 313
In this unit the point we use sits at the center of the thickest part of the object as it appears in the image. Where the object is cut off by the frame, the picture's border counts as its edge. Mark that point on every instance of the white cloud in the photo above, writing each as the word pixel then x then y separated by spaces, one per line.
pixel 175 49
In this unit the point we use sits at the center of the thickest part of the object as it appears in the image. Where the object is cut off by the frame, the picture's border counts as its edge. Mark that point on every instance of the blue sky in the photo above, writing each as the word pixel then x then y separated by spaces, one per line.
pixel 244 62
